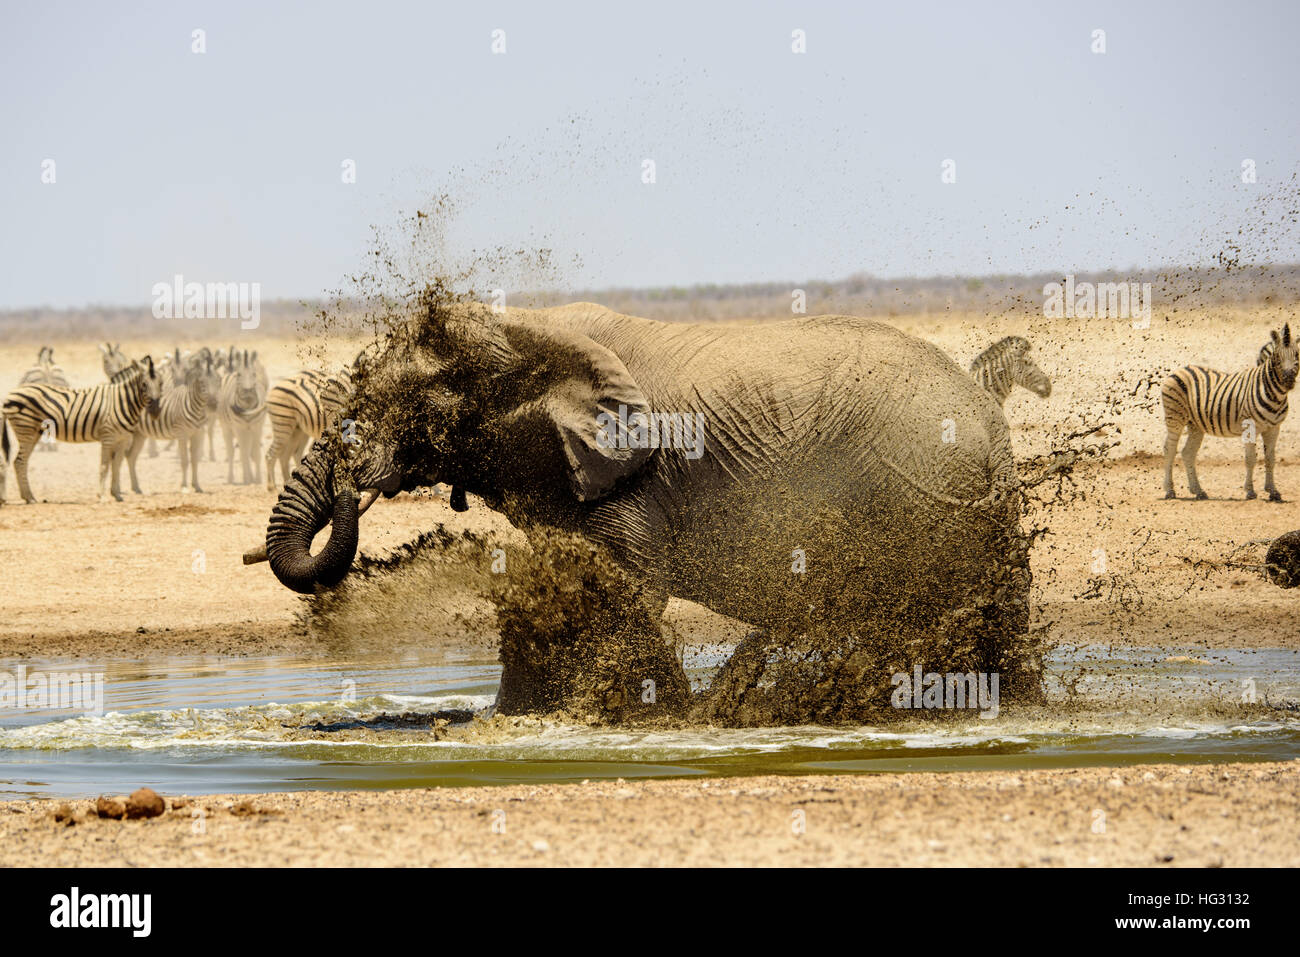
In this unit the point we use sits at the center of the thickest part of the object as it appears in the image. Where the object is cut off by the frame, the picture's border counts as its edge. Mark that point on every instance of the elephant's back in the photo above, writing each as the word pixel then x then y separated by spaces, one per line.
pixel 863 392
pixel 809 390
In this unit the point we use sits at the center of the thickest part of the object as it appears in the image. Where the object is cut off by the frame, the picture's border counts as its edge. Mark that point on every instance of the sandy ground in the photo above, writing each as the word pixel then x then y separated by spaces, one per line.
pixel 160 574
pixel 1205 816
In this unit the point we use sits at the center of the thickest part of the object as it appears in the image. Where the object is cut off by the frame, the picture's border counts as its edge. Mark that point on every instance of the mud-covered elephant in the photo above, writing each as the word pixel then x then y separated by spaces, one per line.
pixel 830 465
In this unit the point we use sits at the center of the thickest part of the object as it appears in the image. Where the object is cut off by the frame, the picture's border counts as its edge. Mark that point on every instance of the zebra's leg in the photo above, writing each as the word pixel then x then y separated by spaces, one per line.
pixel 1250 469
pixel 1194 437
pixel 1270 453
pixel 228 433
pixel 253 436
pixel 273 454
pixel 136 443
pixel 298 445
pixel 248 454
pixel 153 453
pixel 1171 452
pixel 196 452
pixel 183 448
pixel 119 452
pixel 106 448
pixel 25 445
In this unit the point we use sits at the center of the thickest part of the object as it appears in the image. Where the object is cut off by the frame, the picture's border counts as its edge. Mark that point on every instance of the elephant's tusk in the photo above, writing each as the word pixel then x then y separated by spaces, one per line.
pixel 255 555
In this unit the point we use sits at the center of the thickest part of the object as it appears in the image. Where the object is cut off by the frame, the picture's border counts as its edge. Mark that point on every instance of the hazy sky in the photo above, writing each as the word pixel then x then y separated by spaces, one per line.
pixel 770 165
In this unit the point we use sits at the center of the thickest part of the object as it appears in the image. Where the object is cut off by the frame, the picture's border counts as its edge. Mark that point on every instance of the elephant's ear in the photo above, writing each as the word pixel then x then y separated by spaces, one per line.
pixel 589 389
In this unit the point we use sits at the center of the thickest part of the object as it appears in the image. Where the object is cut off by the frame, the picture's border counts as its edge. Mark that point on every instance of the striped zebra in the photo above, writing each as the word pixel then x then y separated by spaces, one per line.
pixel 45 372
pixel 107 414
pixel 1244 404
pixel 301 407
pixel 182 414
pixel 1006 364
pixel 241 406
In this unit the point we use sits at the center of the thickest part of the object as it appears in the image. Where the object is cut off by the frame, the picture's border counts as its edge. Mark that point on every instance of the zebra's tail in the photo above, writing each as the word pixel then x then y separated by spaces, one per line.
pixel 4 448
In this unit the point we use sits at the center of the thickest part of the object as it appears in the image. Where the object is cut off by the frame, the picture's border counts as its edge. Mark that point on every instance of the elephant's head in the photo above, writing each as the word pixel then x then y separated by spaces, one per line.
pixel 506 409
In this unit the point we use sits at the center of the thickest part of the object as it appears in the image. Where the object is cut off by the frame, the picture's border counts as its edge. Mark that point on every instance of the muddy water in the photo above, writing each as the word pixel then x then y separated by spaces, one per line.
pixel 203 725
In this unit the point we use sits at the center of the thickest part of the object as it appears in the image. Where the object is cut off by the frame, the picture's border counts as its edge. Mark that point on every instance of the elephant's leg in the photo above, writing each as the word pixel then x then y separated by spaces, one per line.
pixel 738 677
pixel 1194 437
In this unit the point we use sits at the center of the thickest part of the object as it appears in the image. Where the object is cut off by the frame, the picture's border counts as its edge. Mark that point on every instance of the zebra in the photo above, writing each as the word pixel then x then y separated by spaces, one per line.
pixel 182 414
pixel 107 414
pixel 112 358
pixel 1006 364
pixel 241 406
pixel 301 407
pixel 45 372
pixel 1228 404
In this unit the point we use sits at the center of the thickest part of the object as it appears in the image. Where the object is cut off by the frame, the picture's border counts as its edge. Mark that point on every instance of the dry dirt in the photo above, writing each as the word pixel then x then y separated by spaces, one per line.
pixel 1205 816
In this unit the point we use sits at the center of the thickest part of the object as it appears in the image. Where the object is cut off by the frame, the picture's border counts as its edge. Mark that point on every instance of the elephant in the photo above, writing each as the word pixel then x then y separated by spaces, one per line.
pixel 827 465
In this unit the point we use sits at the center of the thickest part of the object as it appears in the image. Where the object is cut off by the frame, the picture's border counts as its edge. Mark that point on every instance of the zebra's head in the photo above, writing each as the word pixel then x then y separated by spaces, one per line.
pixel 113 359
pixel 200 377
pixel 1030 376
pixel 249 392
pixel 1284 358
pixel 1006 364
pixel 150 383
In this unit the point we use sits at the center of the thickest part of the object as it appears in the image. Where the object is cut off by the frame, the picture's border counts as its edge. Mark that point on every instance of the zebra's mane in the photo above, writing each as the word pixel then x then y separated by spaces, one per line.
pixel 127 374
pixel 1009 344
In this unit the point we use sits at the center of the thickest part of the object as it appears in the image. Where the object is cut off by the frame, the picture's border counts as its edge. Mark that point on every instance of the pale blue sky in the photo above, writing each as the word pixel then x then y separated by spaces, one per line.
pixel 770 165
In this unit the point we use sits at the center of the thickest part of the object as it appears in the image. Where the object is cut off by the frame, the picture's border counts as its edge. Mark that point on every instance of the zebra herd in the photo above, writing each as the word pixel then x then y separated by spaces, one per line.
pixel 181 399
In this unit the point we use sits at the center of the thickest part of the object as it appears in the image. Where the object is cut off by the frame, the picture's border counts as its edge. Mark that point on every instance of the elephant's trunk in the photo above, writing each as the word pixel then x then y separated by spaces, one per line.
pixel 311 499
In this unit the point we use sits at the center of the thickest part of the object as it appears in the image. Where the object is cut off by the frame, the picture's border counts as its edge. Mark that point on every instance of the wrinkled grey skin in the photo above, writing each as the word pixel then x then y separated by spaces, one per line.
pixel 864 449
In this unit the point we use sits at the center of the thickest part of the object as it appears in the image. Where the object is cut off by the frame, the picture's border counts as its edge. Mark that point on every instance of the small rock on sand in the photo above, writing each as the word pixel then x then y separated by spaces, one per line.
pixel 144 802
pixel 110 807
